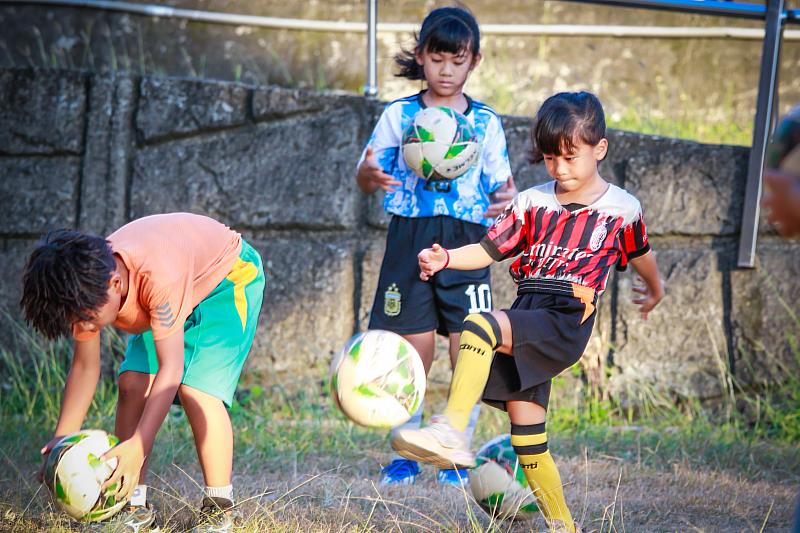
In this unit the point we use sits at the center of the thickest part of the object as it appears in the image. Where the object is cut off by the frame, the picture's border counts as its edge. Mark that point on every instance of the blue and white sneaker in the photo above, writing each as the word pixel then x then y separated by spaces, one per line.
pixel 400 472
pixel 452 476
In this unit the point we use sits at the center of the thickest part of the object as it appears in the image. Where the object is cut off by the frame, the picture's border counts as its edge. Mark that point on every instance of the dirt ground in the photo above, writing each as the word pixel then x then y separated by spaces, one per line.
pixel 605 495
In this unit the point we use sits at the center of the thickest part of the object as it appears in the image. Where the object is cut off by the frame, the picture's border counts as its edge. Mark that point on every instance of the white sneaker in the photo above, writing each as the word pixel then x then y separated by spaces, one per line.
pixel 438 443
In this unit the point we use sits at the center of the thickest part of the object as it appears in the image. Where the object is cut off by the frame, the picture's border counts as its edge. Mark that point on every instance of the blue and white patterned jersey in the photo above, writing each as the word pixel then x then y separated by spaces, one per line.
pixel 468 197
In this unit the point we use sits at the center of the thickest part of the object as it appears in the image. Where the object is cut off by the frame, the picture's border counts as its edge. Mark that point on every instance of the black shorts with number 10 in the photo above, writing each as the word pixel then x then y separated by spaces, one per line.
pixel 404 303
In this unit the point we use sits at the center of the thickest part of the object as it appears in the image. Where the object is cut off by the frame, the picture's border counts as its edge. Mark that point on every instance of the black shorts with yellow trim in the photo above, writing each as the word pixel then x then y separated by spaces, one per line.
pixel 551 325
pixel 404 303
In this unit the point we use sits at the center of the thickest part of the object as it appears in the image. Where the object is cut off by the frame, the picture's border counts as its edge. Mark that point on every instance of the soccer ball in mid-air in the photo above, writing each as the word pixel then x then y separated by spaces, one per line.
pixel 377 380
pixel 498 482
pixel 440 144
pixel 74 475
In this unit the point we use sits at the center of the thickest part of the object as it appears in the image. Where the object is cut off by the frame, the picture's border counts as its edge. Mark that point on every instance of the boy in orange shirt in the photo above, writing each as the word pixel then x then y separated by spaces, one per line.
pixel 189 290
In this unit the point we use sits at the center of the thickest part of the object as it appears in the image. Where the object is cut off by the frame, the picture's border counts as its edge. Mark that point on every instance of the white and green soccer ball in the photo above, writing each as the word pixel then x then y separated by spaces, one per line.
pixel 440 144
pixel 377 380
pixel 74 474
pixel 498 482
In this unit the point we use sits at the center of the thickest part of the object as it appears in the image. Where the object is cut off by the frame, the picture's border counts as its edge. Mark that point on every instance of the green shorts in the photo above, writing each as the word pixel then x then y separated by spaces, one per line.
pixel 217 335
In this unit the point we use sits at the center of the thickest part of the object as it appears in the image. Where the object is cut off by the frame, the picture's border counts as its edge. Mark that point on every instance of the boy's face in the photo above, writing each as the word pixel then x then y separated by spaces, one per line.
pixel 445 72
pixel 577 169
pixel 108 312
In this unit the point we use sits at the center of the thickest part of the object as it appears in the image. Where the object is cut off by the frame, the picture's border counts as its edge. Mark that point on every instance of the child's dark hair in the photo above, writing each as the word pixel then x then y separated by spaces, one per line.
pixel 65 281
pixel 564 120
pixel 445 29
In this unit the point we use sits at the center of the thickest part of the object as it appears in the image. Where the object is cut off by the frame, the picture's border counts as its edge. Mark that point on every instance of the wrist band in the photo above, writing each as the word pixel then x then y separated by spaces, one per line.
pixel 447 262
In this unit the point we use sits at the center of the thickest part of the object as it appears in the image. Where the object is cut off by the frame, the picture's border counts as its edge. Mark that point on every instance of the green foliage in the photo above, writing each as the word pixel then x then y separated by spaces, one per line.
pixel 32 381
pixel 751 431
pixel 683 127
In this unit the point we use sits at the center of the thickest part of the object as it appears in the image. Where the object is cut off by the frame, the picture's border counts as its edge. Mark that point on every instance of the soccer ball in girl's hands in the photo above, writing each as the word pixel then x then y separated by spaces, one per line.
pixel 377 380
pixel 440 144
pixel 74 474
pixel 498 482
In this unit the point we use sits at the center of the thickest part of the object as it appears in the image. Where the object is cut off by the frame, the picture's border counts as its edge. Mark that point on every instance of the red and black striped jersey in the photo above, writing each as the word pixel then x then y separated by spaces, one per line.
pixel 578 246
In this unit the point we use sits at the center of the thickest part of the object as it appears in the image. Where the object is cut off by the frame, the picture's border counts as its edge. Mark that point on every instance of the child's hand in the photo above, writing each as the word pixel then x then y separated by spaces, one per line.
pixel 45 451
pixel 432 260
pixel 782 201
pixel 130 458
pixel 369 170
pixel 648 300
pixel 501 198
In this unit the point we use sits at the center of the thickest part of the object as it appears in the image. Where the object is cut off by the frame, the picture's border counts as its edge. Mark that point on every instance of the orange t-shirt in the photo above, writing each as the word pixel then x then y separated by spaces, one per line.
pixel 174 261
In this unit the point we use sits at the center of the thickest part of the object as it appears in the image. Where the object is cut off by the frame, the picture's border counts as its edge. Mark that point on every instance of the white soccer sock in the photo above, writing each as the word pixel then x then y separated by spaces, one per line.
pixel 139 498
pixel 473 421
pixel 413 423
pixel 219 492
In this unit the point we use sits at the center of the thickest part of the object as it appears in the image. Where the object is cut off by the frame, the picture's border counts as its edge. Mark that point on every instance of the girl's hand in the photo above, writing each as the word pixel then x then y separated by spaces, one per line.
pixel 369 170
pixel 648 299
pixel 130 458
pixel 501 198
pixel 45 451
pixel 432 260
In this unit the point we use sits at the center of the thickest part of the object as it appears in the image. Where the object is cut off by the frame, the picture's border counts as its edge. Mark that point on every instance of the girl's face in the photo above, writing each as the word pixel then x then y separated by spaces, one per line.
pixel 445 72
pixel 574 171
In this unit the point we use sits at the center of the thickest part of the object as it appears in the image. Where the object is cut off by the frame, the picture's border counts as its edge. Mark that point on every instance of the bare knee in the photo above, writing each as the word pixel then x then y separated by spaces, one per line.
pixel 525 413
pixel 133 386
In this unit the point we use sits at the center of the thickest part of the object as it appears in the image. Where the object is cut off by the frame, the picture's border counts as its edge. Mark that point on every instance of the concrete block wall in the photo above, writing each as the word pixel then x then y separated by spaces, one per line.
pixel 96 150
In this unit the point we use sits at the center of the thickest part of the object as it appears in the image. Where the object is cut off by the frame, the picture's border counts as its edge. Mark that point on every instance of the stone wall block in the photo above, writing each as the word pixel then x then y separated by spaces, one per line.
pixel 13 256
pixel 108 147
pixel 681 348
pixel 518 137
pixel 370 271
pixel 764 313
pixel 377 217
pixel 259 177
pixel 170 107
pixel 308 309
pixel 685 188
pixel 38 193
pixel 41 112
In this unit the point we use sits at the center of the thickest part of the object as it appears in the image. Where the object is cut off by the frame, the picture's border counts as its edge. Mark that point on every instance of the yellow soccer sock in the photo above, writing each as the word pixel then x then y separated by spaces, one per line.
pixel 480 336
pixel 530 443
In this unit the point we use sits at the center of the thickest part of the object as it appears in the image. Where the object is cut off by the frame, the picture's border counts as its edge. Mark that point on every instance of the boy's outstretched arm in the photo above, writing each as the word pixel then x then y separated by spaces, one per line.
pixel 653 290
pixel 470 257
pixel 84 373
pixel 371 177
pixel 132 452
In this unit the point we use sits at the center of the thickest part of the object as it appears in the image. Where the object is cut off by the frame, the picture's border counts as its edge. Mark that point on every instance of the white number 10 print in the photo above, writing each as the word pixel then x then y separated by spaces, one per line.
pixel 480 298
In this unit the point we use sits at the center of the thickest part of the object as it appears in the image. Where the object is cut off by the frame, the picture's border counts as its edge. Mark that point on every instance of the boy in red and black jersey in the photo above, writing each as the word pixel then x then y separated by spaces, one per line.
pixel 567 234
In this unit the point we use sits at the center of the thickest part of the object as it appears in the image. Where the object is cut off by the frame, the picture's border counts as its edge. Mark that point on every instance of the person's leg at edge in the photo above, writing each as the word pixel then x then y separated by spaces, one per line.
pixel 133 389
pixel 529 439
pixel 213 436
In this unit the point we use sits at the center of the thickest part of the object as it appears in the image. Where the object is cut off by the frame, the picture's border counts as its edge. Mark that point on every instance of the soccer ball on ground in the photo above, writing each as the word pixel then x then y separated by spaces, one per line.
pixel 498 482
pixel 377 380
pixel 440 144
pixel 74 474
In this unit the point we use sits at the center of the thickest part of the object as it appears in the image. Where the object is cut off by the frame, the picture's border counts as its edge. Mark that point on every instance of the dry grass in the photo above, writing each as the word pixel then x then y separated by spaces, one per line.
pixel 330 494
